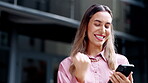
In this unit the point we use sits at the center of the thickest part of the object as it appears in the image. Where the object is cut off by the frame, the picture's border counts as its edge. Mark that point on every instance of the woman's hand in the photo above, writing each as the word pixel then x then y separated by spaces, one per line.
pixel 118 77
pixel 81 63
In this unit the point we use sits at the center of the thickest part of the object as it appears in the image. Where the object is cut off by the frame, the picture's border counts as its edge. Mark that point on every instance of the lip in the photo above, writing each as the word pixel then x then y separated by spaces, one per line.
pixel 99 37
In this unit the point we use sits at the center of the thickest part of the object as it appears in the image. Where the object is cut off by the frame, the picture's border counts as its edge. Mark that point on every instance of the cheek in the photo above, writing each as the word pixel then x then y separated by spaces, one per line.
pixel 108 33
pixel 90 30
pixel 89 33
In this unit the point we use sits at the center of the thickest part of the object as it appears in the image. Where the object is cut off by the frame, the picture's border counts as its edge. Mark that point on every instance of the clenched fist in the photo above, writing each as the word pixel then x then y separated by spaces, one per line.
pixel 81 63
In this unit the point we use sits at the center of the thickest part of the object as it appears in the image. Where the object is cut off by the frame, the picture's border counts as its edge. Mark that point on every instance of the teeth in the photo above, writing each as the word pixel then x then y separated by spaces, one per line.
pixel 100 37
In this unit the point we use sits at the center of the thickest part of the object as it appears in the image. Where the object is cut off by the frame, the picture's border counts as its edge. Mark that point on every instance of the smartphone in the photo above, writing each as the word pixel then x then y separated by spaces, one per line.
pixel 124 69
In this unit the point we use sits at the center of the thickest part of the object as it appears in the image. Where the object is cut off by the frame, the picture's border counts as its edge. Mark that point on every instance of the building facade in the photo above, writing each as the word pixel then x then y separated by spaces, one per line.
pixel 35 35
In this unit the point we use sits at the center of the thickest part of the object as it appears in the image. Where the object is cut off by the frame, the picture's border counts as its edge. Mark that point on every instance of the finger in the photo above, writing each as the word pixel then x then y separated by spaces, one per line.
pixel 131 77
pixel 111 80
pixel 87 59
pixel 119 79
pixel 78 57
pixel 114 79
pixel 123 77
pixel 84 58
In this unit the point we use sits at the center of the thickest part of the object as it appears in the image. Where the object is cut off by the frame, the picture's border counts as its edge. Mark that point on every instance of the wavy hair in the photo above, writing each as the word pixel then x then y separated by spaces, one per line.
pixel 81 40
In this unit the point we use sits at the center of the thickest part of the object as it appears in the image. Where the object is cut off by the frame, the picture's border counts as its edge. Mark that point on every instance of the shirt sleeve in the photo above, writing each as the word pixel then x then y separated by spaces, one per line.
pixel 121 59
pixel 64 75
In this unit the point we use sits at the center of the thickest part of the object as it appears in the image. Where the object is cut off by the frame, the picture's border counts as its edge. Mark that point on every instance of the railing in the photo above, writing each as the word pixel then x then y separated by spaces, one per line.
pixel 59 7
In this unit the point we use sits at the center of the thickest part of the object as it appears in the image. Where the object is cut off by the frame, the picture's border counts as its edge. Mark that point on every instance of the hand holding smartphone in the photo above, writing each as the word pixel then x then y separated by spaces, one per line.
pixel 125 69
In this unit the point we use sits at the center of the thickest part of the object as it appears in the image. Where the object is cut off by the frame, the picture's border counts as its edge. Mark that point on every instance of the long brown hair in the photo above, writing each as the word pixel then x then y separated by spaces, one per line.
pixel 80 43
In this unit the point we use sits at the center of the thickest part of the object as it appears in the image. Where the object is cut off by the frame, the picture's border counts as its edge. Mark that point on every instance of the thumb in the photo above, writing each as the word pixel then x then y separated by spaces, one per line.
pixel 131 77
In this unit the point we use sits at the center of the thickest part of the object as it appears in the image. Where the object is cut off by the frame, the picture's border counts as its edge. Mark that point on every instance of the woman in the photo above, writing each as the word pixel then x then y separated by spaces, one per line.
pixel 93 58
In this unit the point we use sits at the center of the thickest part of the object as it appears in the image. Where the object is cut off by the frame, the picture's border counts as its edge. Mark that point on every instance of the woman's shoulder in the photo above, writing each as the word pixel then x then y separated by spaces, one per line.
pixel 64 68
pixel 121 59
pixel 66 61
pixel 120 56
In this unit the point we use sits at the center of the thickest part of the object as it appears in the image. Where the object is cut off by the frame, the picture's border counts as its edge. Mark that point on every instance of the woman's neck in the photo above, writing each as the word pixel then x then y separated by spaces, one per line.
pixel 93 50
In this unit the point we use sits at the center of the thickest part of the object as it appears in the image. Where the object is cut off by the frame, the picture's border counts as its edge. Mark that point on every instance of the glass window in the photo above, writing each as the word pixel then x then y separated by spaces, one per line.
pixel 4 39
pixel 33 71
pixel 4 61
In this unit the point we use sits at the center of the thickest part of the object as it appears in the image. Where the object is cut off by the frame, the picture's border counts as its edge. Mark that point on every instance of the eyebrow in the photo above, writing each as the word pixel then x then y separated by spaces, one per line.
pixel 101 21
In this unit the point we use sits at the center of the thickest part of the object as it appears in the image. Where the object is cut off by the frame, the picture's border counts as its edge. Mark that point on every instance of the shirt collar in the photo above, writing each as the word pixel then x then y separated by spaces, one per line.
pixel 101 54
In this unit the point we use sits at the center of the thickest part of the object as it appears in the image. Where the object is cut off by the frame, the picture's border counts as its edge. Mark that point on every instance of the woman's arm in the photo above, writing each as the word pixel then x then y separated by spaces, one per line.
pixel 64 76
pixel 81 63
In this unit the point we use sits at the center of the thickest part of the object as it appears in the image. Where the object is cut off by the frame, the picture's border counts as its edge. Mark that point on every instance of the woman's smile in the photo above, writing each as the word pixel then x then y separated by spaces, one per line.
pixel 99 37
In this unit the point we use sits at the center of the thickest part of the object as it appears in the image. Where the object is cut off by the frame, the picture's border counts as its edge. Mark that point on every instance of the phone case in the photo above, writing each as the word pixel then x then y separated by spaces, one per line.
pixel 124 69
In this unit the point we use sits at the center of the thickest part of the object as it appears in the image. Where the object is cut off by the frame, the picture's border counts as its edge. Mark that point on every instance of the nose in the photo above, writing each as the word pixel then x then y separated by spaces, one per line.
pixel 102 29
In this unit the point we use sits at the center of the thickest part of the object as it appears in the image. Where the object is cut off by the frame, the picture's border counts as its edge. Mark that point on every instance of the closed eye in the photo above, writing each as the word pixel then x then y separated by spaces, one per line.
pixel 108 25
pixel 97 24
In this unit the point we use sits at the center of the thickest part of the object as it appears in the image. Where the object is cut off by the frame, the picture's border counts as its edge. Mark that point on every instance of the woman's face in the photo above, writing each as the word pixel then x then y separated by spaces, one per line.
pixel 99 28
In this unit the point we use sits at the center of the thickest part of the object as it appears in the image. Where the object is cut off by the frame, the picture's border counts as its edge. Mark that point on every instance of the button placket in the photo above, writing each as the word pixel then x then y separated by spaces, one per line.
pixel 95 68
pixel 95 71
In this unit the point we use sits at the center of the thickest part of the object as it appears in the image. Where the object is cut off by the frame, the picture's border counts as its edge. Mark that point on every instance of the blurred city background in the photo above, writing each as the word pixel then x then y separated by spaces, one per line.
pixel 35 35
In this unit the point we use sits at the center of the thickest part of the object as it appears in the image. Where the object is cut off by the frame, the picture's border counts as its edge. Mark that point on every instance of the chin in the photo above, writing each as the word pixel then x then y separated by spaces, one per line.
pixel 99 44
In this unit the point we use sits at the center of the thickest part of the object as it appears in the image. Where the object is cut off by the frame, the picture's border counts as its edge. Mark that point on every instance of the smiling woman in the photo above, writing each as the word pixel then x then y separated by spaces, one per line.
pixel 99 29
pixel 93 58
